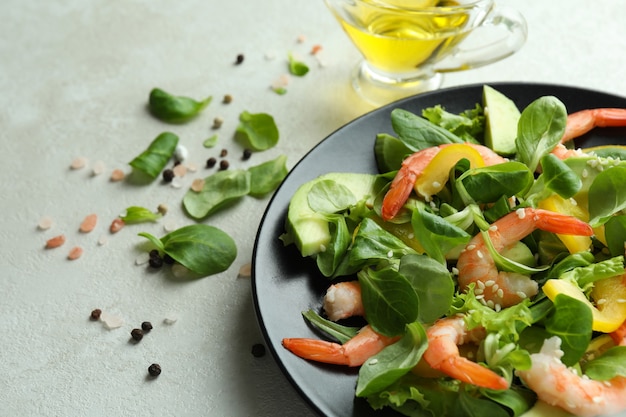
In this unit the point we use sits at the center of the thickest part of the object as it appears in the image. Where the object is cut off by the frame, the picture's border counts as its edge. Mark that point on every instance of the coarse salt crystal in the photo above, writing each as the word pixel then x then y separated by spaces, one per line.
pixel 45 223
pixel 111 321
pixel 170 226
pixel 102 240
pixel 176 183
pixel 180 170
pixel 78 163
pixel 181 153
pixel 170 319
pixel 191 167
pixel 98 168
pixel 246 270
pixel 117 175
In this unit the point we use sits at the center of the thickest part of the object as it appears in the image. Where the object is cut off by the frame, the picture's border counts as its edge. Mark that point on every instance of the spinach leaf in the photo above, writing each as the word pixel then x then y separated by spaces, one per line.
pixel 372 243
pixel 418 133
pixel 540 129
pixel 488 184
pixel 607 195
pixel 394 361
pixel 389 152
pixel 152 161
pixel 135 214
pixel 571 321
pixel 559 177
pixel 339 332
pixel 257 131
pixel 266 177
pixel 432 283
pixel 174 109
pixel 615 234
pixel 203 249
pixel 220 189
pixel 297 68
pixel 388 299
pixel 610 364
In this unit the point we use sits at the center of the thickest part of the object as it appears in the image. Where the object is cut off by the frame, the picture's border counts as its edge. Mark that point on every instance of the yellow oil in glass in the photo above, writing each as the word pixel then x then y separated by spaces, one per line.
pixel 402 41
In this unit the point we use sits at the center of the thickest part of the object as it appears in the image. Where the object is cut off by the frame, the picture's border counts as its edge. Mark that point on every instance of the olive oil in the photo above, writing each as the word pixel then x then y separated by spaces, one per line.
pixel 400 41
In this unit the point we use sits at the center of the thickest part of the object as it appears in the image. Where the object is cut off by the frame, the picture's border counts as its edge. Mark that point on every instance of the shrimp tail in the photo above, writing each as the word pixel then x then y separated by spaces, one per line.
pixel 316 350
pixel 560 223
pixel 583 121
pixel 472 373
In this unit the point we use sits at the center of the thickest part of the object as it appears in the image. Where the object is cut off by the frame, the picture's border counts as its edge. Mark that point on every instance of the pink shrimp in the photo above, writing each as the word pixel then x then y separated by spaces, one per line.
pixel 443 353
pixel 352 353
pixel 558 385
pixel 502 289
pixel 583 121
pixel 413 167
pixel 343 300
pixel 619 335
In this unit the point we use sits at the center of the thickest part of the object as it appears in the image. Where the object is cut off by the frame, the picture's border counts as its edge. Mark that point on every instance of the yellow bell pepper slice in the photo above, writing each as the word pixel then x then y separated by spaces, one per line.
pixel 436 173
pixel 609 294
pixel 567 206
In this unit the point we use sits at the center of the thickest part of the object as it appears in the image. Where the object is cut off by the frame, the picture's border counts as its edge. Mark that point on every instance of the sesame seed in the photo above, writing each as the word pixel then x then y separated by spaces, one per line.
pixel 479 254
pixel 497 307
pixel 480 284
pixel 495 288
pixel 470 247
pixel 489 283
pixel 390 254
pixel 493 228
pixel 521 295
pixel 373 362
pixel 521 213
pixel 500 293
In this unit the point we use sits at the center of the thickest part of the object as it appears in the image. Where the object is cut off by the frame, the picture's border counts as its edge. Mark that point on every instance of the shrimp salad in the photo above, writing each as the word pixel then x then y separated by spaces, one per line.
pixel 486 283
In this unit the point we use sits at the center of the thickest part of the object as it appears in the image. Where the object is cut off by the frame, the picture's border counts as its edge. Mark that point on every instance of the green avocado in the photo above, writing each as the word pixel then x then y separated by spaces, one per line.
pixel 307 228
pixel 502 116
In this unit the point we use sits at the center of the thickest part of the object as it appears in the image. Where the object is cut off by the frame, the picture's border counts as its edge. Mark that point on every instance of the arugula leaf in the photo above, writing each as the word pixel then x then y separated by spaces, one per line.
pixel 540 129
pixel 135 214
pixel 152 161
pixel 394 361
pixel 266 177
pixel 220 189
pixel 203 249
pixel 174 109
pixel 257 131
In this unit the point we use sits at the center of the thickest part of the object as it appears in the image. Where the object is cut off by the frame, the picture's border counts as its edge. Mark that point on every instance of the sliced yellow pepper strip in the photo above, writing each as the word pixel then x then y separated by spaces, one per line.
pixel 611 310
pixel 435 175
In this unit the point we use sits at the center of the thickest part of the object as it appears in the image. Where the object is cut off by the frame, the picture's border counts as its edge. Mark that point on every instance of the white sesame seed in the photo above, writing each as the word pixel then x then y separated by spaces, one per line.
pixel 521 213
pixel 373 361
pixel 436 184
pixel 601 301
pixel 480 297
pixel 521 295
pixel 479 254
pixel 584 173
pixel 495 288
pixel 489 283
pixel 480 284
pixel 497 307
pixel 478 291
pixel 390 254
pixel 493 228
pixel 500 293
pixel 455 271
pixel 322 248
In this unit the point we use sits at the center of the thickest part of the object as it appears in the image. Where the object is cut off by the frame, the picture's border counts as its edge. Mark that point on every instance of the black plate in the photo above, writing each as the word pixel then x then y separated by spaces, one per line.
pixel 284 284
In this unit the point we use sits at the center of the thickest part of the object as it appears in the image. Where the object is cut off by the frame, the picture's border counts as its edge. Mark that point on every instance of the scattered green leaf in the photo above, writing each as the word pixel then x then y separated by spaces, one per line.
pixel 297 68
pixel 136 214
pixel 266 177
pixel 152 161
pixel 210 142
pixel 174 109
pixel 257 131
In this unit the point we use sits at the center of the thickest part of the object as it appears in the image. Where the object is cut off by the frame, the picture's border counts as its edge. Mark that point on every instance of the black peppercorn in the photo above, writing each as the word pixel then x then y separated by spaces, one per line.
pixel 154 370
pixel 168 175
pixel 168 259
pixel 210 163
pixel 155 262
pixel 95 314
pixel 247 153
pixel 224 165
pixel 258 350
pixel 239 60
pixel 223 152
pixel 136 334
pixel 146 326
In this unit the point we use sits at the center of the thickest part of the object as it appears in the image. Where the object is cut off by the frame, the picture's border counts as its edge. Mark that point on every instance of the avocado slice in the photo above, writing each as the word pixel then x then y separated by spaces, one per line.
pixel 307 228
pixel 502 116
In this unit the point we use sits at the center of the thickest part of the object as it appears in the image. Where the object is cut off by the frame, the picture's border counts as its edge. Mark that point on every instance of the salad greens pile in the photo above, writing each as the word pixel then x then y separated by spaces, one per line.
pixel 406 266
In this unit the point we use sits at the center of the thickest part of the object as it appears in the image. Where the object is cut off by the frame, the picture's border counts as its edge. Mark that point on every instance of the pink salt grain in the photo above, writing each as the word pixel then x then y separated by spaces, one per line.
pixel 197 185
pixel 45 223
pixel 55 242
pixel 316 49
pixel 116 225
pixel 180 170
pixel 75 253
pixel 117 175
pixel 78 163
pixel 89 223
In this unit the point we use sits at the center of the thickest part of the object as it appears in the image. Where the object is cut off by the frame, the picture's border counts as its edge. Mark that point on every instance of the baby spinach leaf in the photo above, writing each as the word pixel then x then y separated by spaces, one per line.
pixel 203 249
pixel 607 195
pixel 257 131
pixel 340 237
pixel 432 282
pixel 152 161
pixel 220 189
pixel 610 364
pixel 559 177
pixel 210 142
pixel 297 68
pixel 174 109
pixel 540 129
pixel 339 332
pixel 135 214
pixel 388 299
pixel 571 321
pixel 389 152
pixel 615 234
pixel 372 243
pixel 488 184
pixel 266 177
pixel 418 133
pixel 328 196
pixel 394 361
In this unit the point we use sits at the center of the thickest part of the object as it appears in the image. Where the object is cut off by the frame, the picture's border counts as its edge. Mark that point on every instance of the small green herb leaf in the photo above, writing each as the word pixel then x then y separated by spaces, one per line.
pixel 559 177
pixel 571 321
pixel 266 177
pixel 152 161
pixel 136 214
pixel 257 131
pixel 220 190
pixel 203 249
pixel 607 195
pixel 281 91
pixel 210 142
pixel 296 67
pixel 609 365
pixel 174 109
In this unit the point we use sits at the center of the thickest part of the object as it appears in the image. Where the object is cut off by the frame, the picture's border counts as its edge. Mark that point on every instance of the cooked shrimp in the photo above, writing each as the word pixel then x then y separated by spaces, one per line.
pixel 503 289
pixel 352 353
pixel 583 121
pixel 443 353
pixel 413 167
pixel 558 385
pixel 343 300
pixel 619 335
